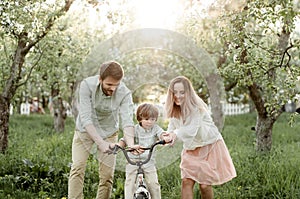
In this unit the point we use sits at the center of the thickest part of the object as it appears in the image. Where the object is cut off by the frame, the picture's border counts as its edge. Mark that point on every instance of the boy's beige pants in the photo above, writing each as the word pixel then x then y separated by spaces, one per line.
pixel 151 180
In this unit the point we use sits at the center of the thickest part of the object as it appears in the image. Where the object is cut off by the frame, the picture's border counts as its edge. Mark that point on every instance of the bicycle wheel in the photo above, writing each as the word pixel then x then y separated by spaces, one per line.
pixel 141 193
pixel 141 197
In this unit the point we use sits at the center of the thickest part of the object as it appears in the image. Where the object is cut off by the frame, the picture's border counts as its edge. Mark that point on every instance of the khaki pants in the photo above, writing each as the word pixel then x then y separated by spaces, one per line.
pixel 81 147
pixel 151 179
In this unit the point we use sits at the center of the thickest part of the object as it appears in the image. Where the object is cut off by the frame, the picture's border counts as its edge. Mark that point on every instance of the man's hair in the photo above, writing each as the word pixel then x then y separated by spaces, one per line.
pixel 112 69
pixel 146 111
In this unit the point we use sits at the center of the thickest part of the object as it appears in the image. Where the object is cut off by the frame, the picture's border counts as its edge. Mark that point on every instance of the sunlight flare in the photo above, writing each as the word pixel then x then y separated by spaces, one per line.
pixel 157 13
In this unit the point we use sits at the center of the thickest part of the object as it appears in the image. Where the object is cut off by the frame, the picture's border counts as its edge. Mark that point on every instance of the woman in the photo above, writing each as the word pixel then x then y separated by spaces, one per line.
pixel 205 158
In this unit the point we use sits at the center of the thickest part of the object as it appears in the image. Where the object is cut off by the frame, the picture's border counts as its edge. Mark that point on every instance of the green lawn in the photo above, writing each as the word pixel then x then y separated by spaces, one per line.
pixel 37 162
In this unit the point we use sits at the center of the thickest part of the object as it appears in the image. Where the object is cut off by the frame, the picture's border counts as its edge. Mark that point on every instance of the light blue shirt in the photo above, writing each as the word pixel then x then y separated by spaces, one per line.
pixel 104 112
pixel 146 138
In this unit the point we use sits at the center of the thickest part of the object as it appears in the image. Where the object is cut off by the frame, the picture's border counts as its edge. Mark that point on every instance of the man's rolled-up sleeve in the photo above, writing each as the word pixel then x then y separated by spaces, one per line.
pixel 126 111
pixel 85 105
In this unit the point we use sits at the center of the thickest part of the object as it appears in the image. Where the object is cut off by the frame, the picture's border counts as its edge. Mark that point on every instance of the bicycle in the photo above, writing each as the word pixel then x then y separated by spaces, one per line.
pixel 141 187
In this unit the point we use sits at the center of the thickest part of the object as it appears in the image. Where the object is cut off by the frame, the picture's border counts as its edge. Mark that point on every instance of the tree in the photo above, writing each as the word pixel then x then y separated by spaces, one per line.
pixel 24 25
pixel 254 44
pixel 262 46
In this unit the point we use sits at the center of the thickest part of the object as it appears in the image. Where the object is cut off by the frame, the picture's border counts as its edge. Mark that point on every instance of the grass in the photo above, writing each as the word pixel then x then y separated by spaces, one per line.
pixel 37 162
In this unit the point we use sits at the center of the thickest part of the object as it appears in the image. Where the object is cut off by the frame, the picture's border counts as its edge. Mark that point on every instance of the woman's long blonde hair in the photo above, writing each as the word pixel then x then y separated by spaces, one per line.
pixel 191 99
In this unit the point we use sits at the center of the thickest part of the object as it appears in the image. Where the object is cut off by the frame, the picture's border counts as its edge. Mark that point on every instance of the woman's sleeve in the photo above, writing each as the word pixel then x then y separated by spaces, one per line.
pixel 171 125
pixel 190 128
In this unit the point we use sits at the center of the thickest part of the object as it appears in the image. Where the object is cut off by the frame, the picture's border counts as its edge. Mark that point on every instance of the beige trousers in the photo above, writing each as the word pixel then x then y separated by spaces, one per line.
pixel 151 179
pixel 81 149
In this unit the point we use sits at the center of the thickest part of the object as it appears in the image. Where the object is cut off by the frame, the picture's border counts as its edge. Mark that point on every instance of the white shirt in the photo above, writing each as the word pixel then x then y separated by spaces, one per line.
pixel 196 131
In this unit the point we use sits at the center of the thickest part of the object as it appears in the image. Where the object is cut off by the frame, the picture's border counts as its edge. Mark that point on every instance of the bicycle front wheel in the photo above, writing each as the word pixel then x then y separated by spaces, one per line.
pixel 141 196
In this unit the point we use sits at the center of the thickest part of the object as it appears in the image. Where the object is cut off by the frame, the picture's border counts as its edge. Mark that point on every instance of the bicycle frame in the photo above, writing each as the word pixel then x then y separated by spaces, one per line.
pixel 141 190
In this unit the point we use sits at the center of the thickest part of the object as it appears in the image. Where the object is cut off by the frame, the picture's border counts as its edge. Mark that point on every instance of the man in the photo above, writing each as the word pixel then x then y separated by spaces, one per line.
pixel 103 100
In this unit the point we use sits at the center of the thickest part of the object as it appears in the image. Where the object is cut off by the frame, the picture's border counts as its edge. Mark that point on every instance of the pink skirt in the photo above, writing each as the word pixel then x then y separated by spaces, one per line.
pixel 210 165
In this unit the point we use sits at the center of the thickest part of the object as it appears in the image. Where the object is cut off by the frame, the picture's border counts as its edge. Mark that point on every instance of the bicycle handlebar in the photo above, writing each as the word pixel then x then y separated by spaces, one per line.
pixel 138 163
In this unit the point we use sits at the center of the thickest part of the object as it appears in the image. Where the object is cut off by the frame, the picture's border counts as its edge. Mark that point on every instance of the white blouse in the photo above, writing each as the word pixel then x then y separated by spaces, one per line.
pixel 196 131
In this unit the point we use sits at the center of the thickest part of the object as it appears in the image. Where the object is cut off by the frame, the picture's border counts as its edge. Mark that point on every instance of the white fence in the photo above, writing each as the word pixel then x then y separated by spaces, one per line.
pixel 25 109
pixel 11 109
pixel 228 108
pixel 235 109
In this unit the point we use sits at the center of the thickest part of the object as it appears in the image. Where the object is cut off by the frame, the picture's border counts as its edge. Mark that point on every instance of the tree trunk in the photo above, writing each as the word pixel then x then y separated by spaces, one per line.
pixel 263 129
pixel 57 109
pixel 216 99
pixel 60 114
pixel 8 92
pixel 4 118
pixel 264 122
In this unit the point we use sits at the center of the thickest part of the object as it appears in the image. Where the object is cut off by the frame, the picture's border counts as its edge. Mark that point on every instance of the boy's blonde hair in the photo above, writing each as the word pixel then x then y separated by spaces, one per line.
pixel 146 111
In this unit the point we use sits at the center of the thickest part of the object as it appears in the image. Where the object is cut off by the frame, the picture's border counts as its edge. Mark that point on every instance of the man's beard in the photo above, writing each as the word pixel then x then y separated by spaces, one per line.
pixel 107 92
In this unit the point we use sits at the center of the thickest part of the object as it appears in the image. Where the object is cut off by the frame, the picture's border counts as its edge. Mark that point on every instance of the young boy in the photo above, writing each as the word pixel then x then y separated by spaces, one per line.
pixel 147 132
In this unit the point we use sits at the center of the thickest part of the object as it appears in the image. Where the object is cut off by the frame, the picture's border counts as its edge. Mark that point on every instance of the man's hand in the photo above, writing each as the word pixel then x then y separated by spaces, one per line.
pixel 106 147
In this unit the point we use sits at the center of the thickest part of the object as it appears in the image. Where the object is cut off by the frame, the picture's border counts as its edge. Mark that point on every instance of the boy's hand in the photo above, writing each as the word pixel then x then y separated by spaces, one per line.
pixel 137 149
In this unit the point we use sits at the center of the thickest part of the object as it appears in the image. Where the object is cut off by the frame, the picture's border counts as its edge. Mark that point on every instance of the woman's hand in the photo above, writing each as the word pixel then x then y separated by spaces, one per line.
pixel 169 137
